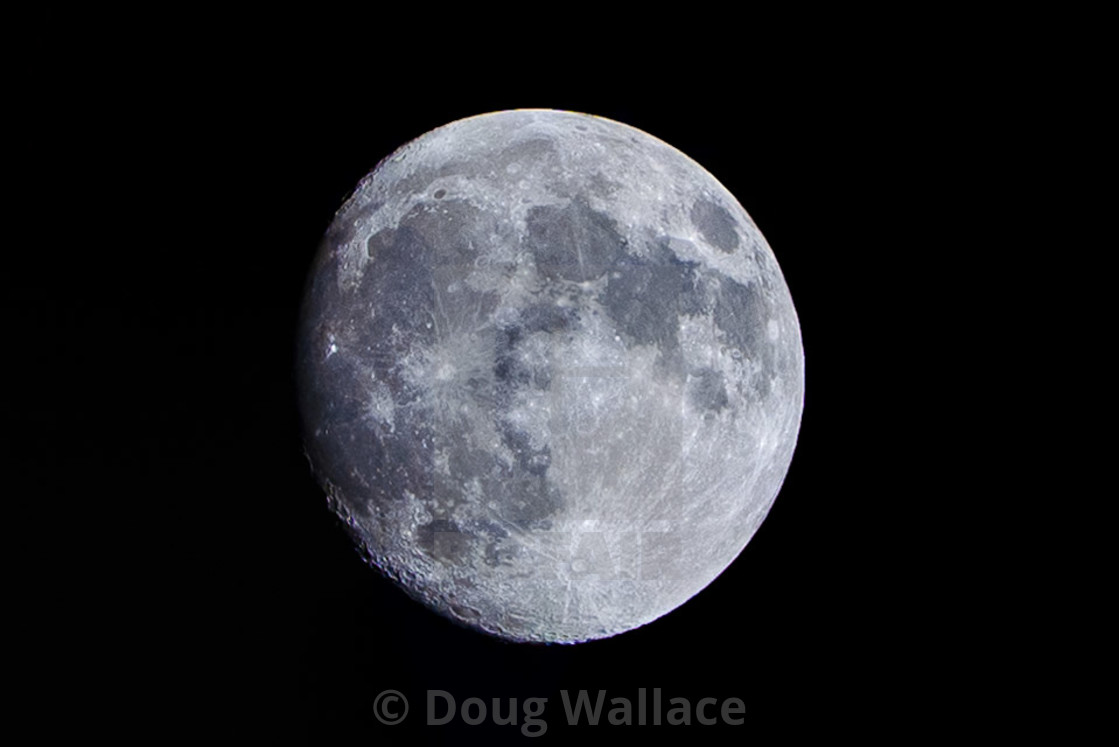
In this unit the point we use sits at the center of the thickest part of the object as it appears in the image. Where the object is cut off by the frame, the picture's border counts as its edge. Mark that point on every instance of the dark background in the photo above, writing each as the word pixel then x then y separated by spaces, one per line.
pixel 215 592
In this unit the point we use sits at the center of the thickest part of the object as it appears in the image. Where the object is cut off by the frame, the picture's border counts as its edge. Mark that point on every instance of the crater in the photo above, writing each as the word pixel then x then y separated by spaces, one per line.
pixel 379 242
pixel 715 224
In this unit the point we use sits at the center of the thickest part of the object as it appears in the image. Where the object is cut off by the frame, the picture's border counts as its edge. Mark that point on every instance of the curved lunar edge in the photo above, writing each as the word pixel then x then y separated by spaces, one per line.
pixel 551 374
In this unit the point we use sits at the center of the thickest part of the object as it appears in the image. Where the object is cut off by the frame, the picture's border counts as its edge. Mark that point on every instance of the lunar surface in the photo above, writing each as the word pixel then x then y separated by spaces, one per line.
pixel 551 374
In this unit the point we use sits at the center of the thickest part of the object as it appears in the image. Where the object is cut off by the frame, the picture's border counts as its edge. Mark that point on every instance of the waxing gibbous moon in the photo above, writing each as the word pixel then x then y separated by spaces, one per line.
pixel 551 376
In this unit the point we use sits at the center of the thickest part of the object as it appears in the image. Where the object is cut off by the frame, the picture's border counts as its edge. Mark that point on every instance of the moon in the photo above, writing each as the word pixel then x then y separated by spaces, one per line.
pixel 551 375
